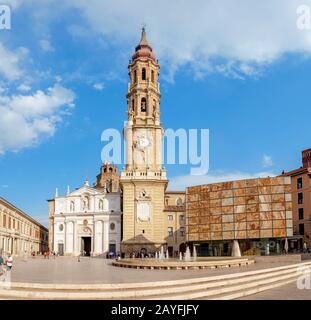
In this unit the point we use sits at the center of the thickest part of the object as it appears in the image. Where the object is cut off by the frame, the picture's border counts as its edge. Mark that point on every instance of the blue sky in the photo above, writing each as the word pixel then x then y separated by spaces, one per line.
pixel 63 80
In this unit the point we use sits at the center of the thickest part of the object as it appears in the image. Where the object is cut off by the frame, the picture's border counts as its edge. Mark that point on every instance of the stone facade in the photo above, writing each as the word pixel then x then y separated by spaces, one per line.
pixel 245 209
pixel 301 194
pixel 175 217
pixel 88 220
pixel 19 233
pixel 144 180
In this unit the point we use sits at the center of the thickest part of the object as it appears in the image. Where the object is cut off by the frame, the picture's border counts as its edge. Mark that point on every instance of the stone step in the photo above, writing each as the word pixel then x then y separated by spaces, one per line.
pixel 226 291
pixel 215 287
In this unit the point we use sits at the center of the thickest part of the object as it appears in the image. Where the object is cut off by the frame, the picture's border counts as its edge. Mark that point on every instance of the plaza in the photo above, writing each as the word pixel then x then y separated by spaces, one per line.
pixel 66 278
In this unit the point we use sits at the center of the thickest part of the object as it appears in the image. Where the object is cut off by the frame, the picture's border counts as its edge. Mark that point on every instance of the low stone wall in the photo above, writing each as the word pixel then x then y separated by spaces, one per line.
pixel 295 258
pixel 182 265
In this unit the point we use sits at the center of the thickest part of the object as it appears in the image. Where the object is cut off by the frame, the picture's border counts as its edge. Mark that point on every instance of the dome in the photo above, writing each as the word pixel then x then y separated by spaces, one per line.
pixel 143 50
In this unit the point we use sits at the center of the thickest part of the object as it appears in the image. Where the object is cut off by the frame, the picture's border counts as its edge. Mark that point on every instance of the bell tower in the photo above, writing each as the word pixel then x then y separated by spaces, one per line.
pixel 144 179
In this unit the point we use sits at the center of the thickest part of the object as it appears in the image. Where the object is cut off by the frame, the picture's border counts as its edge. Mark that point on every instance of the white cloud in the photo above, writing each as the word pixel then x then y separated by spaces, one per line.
pixel 267 161
pixel 24 87
pixel 180 183
pixel 25 119
pixel 237 38
pixel 10 62
pixel 46 45
pixel 99 86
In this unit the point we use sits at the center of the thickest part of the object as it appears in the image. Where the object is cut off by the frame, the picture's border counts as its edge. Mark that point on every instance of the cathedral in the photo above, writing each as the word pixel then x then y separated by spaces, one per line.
pixel 133 212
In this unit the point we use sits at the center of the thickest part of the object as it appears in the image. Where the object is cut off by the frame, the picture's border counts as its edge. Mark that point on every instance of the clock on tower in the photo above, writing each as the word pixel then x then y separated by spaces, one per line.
pixel 144 179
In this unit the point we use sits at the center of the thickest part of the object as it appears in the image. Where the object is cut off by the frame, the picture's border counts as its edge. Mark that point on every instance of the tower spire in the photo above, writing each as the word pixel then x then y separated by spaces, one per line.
pixel 143 39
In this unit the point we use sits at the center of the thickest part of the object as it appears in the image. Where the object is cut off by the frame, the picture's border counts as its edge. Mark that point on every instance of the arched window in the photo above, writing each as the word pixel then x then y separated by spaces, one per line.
pixel 143 105
pixel 133 105
pixel 152 76
pixel 179 202
pixel 135 76
pixel 143 74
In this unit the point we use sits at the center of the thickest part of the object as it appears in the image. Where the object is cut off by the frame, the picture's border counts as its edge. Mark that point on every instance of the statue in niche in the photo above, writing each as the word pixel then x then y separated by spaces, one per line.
pixel 85 203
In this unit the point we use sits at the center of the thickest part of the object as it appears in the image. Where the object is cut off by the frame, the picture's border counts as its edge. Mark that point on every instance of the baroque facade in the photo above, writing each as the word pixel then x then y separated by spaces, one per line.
pixel 88 220
pixel 19 233
pixel 144 179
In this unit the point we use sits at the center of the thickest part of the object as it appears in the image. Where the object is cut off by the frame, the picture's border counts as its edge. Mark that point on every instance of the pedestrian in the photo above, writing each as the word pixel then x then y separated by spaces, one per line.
pixel 1 264
pixel 9 262
pixel 305 248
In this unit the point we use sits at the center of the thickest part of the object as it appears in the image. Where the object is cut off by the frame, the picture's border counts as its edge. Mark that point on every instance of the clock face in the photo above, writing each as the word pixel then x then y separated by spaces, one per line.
pixel 143 143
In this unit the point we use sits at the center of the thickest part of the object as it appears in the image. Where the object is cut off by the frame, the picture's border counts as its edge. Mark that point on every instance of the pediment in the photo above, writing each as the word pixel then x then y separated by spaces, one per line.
pixel 84 191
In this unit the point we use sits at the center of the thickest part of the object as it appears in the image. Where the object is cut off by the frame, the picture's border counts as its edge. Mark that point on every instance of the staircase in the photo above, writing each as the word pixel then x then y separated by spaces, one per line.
pixel 222 287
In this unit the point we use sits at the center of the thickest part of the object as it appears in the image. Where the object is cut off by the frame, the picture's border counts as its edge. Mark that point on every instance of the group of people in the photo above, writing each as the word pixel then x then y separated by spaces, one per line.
pixel 48 254
pixel 6 265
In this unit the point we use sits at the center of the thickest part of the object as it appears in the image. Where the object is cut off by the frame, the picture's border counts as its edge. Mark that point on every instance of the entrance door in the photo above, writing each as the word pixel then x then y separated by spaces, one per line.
pixel 112 247
pixel 61 249
pixel 86 245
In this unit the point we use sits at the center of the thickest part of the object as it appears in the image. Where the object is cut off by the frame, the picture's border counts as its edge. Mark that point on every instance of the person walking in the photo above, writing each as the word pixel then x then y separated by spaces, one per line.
pixel 305 248
pixel 9 262
pixel 1 264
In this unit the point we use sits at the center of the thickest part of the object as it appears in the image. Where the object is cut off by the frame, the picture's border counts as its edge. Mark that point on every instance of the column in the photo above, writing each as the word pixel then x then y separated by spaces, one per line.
pixel 75 238
pixel 65 237
pixel 158 149
pixel 106 236
pixel 128 145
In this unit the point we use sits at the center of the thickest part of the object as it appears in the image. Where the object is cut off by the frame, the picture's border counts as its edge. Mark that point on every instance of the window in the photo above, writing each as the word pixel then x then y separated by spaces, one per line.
pixel 170 217
pixel 112 226
pixel 170 231
pixel 299 183
pixel 143 105
pixel 182 231
pixel 300 213
pixel 182 217
pixel 309 217
pixel 61 227
pixel 300 198
pixel 301 229
pixel 179 202
pixel 152 76
pixel 4 220
pixel 143 74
